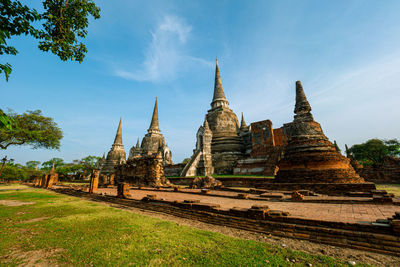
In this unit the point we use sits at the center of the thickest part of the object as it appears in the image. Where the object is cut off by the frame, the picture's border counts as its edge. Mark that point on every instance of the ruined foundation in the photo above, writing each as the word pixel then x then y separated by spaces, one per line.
pixel 142 171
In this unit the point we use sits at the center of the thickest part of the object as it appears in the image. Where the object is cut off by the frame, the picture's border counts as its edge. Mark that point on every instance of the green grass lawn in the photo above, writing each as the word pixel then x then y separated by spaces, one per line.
pixel 390 188
pixel 87 233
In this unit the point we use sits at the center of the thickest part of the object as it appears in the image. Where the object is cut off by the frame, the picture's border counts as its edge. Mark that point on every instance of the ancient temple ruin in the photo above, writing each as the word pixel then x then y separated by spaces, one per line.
pixel 116 155
pixel 309 156
pixel 224 147
pixel 153 142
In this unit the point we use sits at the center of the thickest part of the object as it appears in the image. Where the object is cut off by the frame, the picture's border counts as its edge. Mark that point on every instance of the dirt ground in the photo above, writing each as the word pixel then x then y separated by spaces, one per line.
pixel 14 203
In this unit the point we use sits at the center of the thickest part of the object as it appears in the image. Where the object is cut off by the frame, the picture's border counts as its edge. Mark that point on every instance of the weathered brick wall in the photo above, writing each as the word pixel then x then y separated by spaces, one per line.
pixel 388 172
pixel 267 150
pixel 142 171
pixel 262 137
pixel 173 169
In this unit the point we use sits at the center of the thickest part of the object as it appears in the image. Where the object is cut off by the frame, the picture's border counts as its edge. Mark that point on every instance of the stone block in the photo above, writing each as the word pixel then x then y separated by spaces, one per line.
pixel 123 190
pixel 273 195
pixel 238 212
pixel 205 206
pixel 243 196
pixel 260 207
pixel 258 214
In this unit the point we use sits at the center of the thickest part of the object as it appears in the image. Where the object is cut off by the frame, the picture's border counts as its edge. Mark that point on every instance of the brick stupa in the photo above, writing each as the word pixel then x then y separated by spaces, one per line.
pixel 309 156
pixel 116 155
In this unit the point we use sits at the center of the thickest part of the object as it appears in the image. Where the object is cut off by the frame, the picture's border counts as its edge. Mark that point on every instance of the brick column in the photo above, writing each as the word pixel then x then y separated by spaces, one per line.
pixel 123 190
pixel 94 182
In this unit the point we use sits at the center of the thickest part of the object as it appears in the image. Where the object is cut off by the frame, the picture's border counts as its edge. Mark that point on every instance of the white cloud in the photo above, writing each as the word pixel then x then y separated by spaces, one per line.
pixel 166 55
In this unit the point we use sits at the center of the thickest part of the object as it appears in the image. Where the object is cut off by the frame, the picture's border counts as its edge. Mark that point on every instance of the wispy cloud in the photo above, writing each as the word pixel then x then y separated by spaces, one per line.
pixel 166 54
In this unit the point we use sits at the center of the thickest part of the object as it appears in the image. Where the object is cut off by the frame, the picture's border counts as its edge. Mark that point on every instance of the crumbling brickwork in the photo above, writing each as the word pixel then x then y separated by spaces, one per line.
pixel 267 150
pixel 388 172
pixel 142 171
pixel 94 182
pixel 309 156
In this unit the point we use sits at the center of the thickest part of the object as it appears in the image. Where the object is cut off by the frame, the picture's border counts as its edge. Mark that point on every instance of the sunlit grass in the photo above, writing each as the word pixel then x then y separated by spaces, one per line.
pixel 89 233
pixel 390 188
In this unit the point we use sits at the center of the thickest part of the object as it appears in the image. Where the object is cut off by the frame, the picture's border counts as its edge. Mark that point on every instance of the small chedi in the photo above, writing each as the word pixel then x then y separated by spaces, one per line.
pixel 309 157
pixel 145 170
pixel 116 155
pixel 153 142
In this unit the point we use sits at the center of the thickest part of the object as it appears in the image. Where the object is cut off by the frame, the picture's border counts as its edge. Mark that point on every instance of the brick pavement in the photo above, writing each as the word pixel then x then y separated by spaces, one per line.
pixel 351 213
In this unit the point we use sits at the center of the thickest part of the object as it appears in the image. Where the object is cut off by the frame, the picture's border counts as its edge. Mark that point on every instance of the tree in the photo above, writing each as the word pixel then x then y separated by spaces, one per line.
pixel 63 23
pixel 32 164
pixel 47 165
pixel 5 121
pixel 185 161
pixel 32 129
pixel 90 162
pixel 374 151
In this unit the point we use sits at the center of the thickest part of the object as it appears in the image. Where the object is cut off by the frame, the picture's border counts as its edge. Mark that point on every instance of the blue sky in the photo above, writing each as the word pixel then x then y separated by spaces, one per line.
pixel 346 53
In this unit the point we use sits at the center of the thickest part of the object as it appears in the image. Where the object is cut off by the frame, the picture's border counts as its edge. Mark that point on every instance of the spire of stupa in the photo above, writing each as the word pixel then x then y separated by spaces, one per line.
pixel 154 120
pixel 243 122
pixel 219 98
pixel 205 124
pixel 137 143
pixel 302 108
pixel 118 136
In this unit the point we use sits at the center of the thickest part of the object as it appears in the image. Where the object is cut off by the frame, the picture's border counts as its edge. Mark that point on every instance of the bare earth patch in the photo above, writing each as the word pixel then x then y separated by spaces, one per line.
pixel 14 203
pixel 37 258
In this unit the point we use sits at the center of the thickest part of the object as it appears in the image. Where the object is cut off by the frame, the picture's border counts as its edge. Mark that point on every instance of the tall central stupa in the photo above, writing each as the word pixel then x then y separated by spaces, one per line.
pixel 226 145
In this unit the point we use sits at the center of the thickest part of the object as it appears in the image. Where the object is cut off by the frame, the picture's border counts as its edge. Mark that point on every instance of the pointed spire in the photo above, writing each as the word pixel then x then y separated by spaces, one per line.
pixel 118 136
pixel 302 105
pixel 219 95
pixel 104 155
pixel 154 120
pixel 137 143
pixel 243 123
pixel 205 124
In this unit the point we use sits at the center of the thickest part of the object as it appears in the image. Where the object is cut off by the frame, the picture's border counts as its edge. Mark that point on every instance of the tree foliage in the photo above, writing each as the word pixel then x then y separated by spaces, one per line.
pixel 15 171
pixel 64 22
pixel 374 151
pixel 90 162
pixel 47 165
pixel 185 161
pixel 32 129
pixel 5 121
pixel 32 164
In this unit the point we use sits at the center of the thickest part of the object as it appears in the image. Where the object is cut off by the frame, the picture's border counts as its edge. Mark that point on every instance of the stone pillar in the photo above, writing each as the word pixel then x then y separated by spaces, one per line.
pixel 44 181
pixel 51 180
pixel 123 190
pixel 36 181
pixel 94 182
pixel 111 182
pixel 103 180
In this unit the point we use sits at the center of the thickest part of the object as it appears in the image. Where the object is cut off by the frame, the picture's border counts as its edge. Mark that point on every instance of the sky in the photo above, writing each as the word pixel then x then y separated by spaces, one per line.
pixel 345 53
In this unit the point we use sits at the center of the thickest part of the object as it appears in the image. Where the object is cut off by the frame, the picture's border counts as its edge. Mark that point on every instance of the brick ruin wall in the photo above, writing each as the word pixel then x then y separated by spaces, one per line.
pixel 174 169
pixel 267 149
pixel 142 171
pixel 388 172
